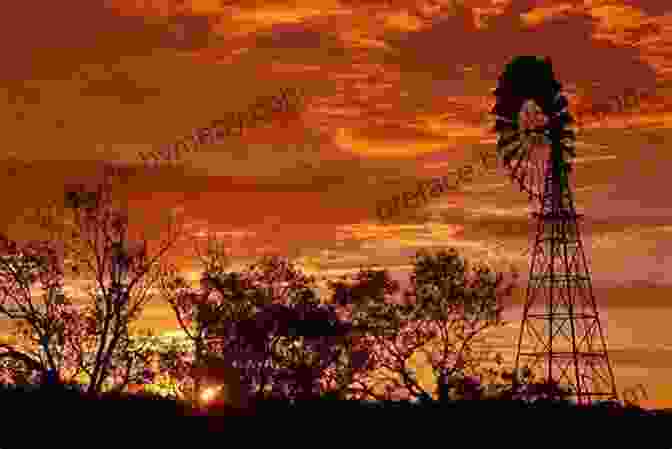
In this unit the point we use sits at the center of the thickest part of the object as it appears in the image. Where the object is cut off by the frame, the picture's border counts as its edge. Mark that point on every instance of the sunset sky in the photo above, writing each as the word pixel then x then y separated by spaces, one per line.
pixel 396 91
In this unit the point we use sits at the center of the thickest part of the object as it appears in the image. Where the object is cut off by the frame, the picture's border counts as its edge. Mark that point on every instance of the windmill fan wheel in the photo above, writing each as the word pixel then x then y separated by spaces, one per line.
pixel 531 117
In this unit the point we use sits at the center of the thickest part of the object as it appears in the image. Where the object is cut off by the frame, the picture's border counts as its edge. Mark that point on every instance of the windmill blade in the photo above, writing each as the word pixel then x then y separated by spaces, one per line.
pixel 508 135
pixel 507 141
pixel 504 119
pixel 521 181
pixel 519 159
pixel 570 150
pixel 513 152
pixel 507 138
pixel 523 173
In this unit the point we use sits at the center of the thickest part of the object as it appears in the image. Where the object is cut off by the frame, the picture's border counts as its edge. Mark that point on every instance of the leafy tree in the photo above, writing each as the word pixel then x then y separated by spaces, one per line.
pixel 444 314
pixel 292 328
pixel 460 303
pixel 91 340
pixel 266 321
pixel 362 299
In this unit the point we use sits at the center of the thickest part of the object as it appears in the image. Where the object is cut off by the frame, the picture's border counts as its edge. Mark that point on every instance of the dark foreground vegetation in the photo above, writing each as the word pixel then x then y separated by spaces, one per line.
pixel 134 417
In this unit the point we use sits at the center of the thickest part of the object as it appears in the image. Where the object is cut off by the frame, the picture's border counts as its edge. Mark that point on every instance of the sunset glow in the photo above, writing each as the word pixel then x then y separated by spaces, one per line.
pixel 393 93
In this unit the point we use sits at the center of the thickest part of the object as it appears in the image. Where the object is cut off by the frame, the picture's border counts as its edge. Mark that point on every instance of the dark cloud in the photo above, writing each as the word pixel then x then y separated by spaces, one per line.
pixel 507 35
pixel 49 40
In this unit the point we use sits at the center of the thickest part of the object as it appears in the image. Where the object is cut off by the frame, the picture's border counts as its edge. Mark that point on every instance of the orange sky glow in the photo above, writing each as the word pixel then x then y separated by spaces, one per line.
pixel 395 92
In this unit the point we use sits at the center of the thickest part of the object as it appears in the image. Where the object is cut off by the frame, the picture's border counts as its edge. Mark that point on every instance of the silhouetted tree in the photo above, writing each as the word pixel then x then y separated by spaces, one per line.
pixel 444 314
pixel 93 340
pixel 266 321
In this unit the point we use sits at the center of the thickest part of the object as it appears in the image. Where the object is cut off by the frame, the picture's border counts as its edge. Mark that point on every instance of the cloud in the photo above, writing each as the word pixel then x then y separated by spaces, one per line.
pixel 84 32
pixel 118 85
pixel 260 112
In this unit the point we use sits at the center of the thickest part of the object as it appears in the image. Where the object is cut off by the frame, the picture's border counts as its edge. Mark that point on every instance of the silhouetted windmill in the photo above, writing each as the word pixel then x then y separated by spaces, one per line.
pixel 533 140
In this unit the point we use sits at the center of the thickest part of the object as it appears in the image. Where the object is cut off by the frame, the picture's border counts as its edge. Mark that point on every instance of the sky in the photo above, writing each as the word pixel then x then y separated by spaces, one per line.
pixel 396 92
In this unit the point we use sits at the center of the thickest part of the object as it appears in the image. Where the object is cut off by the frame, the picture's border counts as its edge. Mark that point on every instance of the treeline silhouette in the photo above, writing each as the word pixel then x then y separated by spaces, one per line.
pixel 137 417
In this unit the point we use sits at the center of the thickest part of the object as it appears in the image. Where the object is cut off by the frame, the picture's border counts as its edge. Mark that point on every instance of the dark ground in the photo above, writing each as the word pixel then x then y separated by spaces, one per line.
pixel 68 419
